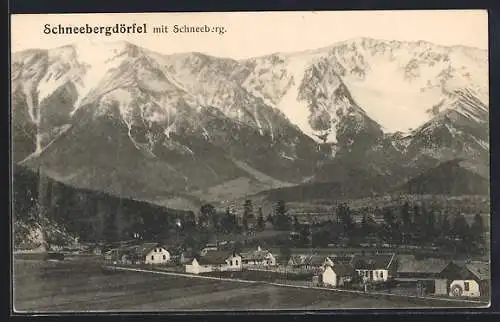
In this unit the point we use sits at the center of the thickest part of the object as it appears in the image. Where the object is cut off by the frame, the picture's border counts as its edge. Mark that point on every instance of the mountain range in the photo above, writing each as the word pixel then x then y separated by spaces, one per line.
pixel 182 129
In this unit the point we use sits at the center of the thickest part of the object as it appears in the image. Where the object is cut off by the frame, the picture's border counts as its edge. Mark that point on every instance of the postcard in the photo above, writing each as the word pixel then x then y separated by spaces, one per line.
pixel 250 161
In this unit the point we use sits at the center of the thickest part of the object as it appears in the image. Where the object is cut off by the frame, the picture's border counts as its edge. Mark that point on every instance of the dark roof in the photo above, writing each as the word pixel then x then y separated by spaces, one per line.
pixel 255 254
pixel 214 257
pixel 340 259
pixel 343 270
pixel 315 260
pixel 140 250
pixel 145 248
pixel 408 264
pixel 480 269
pixel 188 254
pixel 374 262
pixel 252 220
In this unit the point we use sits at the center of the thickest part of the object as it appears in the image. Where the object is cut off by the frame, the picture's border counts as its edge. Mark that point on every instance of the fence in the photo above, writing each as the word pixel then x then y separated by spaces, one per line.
pixel 286 269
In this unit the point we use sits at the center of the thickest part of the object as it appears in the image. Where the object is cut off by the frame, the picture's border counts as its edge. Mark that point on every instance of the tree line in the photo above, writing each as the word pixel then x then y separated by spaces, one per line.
pixel 405 225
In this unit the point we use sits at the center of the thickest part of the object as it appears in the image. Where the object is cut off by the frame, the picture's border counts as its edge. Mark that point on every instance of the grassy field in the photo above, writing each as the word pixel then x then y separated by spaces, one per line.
pixel 76 286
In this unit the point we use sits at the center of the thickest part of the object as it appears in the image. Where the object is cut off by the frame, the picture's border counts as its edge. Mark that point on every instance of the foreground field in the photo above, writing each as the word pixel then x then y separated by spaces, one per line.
pixel 75 286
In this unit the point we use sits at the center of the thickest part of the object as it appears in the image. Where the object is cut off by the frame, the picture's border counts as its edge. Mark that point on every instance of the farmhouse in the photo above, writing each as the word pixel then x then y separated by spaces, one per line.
pixel 481 274
pixel 413 269
pixel 258 257
pixel 376 268
pixel 306 263
pixel 215 261
pixel 431 275
pixel 150 253
pixel 473 282
pixel 338 275
pixel 147 253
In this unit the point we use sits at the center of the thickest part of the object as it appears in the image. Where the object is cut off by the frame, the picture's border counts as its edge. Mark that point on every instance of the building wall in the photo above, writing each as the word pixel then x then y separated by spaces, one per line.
pixel 378 275
pixel 329 277
pixel 471 291
pixel 381 275
pixel 157 256
pixel 196 268
pixel 441 287
pixel 484 288
pixel 233 263
pixel 269 261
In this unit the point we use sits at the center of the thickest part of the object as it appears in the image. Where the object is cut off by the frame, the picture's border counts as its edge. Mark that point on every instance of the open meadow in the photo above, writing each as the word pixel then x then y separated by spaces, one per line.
pixel 81 286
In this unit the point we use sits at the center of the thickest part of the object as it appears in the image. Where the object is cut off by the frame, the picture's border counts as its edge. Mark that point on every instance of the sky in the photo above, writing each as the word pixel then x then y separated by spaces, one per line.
pixel 251 34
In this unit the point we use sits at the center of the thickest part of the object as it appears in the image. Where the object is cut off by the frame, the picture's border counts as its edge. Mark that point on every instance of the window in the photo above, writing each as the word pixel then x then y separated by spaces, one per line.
pixel 231 262
pixel 152 257
pixel 236 263
pixel 466 286
pixel 164 257
pixel 366 273
pixel 376 274
pixel 381 274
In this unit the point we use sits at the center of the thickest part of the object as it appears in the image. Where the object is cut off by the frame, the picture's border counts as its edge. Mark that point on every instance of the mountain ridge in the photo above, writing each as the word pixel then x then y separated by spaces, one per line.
pixel 199 124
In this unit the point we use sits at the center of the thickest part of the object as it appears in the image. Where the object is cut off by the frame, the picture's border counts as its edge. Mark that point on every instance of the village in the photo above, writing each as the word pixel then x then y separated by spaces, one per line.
pixel 392 273
pixel 440 258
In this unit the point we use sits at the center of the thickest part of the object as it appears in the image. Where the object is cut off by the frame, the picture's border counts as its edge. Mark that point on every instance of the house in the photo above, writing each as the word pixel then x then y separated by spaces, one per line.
pixel 147 253
pixel 307 263
pixel 96 250
pixel 338 275
pixel 150 253
pixel 481 272
pixel 469 288
pixel 473 282
pixel 376 268
pixel 215 261
pixel 208 249
pixel 258 257
pixel 413 269
pixel 431 274
pixel 186 257
pixel 252 223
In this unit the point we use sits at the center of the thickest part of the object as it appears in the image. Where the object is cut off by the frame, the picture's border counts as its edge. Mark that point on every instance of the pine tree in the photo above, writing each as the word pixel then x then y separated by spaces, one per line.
pixel 344 218
pixel 261 223
pixel 461 230
pixel 406 221
pixel 296 224
pixel 392 227
pixel 247 213
pixel 445 226
pixel 281 220
pixel 431 225
pixel 207 214
pixel 477 229
pixel 248 209
pixel 280 208
pixel 368 225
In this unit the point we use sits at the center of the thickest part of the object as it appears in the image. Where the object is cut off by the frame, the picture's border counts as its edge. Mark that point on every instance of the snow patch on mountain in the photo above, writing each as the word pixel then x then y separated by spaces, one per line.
pixel 97 59
pixel 295 110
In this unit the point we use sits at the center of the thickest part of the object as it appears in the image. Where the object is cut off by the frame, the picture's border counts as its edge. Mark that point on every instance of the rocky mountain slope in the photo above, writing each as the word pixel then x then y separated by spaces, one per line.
pixel 56 214
pixel 186 128
pixel 122 123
